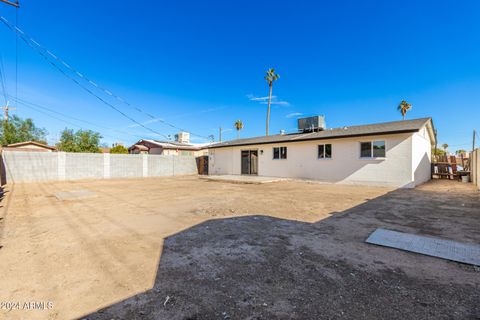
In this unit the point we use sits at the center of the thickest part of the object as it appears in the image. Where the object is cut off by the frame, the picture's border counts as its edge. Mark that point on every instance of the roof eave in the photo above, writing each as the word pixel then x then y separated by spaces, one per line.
pixel 319 138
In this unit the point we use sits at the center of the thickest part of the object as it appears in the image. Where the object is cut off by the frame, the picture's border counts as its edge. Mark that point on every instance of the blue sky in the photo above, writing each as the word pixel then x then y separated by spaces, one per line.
pixel 200 64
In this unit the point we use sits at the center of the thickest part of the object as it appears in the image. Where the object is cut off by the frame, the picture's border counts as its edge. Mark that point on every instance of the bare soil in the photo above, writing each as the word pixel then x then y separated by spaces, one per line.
pixel 188 248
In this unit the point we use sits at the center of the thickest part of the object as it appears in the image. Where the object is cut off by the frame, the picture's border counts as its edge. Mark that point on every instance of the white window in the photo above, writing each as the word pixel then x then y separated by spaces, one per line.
pixel 279 153
pixel 372 149
pixel 324 151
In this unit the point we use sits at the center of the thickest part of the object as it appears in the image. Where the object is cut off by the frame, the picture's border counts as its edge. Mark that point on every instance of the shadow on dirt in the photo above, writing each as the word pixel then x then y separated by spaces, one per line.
pixel 260 267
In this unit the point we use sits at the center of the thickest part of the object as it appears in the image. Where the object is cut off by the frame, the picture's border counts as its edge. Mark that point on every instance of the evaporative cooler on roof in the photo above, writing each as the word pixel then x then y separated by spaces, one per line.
pixel 310 124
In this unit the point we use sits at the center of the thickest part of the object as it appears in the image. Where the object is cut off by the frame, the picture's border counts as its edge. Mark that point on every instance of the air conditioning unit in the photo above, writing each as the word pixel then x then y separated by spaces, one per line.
pixel 182 137
pixel 311 124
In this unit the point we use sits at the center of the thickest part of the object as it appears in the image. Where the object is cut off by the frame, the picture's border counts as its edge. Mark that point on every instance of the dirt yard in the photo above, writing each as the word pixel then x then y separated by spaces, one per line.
pixel 187 248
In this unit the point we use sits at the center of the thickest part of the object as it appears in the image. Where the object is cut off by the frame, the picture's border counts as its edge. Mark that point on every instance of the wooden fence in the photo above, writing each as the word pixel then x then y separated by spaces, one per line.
pixel 475 167
pixel 450 166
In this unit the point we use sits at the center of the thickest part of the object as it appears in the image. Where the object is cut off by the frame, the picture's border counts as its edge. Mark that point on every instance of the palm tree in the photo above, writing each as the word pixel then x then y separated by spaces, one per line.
pixel 403 107
pixel 239 126
pixel 270 76
pixel 445 147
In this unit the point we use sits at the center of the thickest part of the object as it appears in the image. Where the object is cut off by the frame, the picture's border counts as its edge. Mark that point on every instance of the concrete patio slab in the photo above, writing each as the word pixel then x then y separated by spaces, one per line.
pixel 434 247
pixel 243 179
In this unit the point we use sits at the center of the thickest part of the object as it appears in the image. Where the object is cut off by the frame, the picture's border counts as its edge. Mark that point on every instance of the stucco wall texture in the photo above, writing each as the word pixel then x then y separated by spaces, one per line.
pixel 42 166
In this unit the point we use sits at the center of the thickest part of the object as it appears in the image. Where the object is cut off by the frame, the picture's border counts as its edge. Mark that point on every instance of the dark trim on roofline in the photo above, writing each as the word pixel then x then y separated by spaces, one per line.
pixel 316 139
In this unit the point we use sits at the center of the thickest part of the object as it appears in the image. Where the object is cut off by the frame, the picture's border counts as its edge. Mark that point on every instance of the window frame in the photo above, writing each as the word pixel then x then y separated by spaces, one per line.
pixel 324 148
pixel 372 150
pixel 279 153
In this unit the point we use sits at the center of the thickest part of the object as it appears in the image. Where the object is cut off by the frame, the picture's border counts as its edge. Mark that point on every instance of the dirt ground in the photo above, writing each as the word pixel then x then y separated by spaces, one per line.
pixel 188 248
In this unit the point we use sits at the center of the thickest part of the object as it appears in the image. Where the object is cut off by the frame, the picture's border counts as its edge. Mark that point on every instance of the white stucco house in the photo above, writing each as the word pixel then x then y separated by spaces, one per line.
pixel 395 154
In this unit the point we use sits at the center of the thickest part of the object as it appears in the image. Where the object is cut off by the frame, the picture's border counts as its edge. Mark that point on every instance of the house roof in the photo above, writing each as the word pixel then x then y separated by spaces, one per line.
pixel 140 147
pixel 166 145
pixel 394 127
pixel 26 143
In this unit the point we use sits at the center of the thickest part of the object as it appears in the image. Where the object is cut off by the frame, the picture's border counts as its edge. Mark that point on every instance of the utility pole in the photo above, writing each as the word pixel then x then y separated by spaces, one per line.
pixel 220 134
pixel 5 110
pixel 474 135
pixel 15 4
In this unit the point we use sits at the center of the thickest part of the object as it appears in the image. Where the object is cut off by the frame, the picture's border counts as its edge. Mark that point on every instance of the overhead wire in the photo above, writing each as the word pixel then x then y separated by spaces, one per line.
pixel 82 86
pixel 26 103
pixel 44 51
pixel 59 119
pixel 16 52
pixel 3 80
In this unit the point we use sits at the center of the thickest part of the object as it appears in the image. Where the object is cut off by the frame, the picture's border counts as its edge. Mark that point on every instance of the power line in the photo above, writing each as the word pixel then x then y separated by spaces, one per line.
pixel 3 80
pixel 28 103
pixel 16 52
pixel 80 85
pixel 44 51
pixel 62 120
pixel 15 4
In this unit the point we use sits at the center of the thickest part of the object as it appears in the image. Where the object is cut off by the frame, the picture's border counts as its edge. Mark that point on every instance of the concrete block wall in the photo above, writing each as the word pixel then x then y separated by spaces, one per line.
pixel 31 166
pixel 50 166
pixel 126 166
pixel 83 165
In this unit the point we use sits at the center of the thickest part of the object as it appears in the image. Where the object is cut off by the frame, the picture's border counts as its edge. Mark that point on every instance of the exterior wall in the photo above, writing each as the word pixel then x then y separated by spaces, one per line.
pixel 158 150
pixel 21 166
pixel 421 157
pixel 180 152
pixel 345 166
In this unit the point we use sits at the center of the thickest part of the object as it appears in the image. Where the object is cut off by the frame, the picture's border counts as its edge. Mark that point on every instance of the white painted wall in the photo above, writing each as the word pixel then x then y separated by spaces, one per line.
pixel 421 157
pixel 346 166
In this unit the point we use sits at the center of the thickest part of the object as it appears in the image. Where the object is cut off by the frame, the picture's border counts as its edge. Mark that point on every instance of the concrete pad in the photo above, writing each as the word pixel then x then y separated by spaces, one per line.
pixel 75 195
pixel 244 179
pixel 435 247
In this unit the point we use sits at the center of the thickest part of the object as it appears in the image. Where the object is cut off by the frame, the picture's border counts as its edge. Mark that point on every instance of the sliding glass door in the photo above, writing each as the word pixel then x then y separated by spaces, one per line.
pixel 249 161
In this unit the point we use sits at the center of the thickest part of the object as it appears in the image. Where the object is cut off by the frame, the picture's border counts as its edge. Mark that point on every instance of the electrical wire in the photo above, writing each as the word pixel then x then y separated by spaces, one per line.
pixel 83 87
pixel 62 120
pixel 44 51
pixel 3 80
pixel 16 52
pixel 28 103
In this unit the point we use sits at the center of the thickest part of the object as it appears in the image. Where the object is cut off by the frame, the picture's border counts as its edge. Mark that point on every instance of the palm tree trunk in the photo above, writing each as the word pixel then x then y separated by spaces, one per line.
pixel 268 109
pixel 238 134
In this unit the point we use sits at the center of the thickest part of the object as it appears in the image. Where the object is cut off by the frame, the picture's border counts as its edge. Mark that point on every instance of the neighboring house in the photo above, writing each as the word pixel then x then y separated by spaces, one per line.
pixel 166 148
pixel 181 146
pixel 396 154
pixel 29 146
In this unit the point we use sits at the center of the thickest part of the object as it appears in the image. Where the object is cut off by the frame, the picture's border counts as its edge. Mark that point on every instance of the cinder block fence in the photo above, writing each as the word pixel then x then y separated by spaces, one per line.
pixel 18 166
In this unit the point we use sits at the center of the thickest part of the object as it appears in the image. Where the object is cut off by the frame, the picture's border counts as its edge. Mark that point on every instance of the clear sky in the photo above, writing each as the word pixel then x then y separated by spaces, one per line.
pixel 200 64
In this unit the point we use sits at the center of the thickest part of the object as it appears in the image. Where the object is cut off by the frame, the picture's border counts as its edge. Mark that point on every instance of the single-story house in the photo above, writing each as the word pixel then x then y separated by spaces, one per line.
pixel 29 146
pixel 165 148
pixel 396 154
